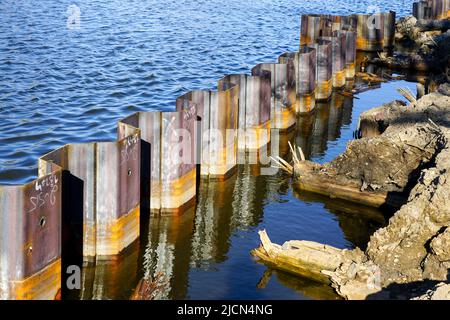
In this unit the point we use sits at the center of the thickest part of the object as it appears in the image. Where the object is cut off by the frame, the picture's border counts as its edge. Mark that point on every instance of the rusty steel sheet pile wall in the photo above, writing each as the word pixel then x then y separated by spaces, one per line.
pixel 305 76
pixel 218 113
pixel 324 69
pixel 314 26
pixel 350 52
pixel 254 109
pixel 374 31
pixel 422 10
pixel 168 182
pixel 156 160
pixel 110 173
pixel 30 246
pixel 431 9
pixel 283 88
pixel 338 42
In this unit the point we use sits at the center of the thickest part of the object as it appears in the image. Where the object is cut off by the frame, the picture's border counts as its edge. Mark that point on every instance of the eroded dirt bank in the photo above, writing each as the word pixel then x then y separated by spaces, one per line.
pixel 404 149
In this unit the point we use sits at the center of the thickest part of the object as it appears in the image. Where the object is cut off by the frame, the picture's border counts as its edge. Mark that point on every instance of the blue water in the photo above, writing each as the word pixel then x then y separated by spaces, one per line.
pixel 61 84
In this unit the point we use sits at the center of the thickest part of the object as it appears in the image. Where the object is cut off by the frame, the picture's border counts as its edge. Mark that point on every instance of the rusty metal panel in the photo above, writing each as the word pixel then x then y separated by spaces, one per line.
pixel 178 153
pixel 118 194
pixel 202 101
pixel 422 10
pixel 254 109
pixel 350 53
pixel 338 42
pixel 110 174
pixel 370 32
pixel 314 26
pixel 283 87
pixel 389 29
pixel 324 69
pixel 30 229
pixel 171 155
pixel 218 113
pixel 305 76
pixel 224 108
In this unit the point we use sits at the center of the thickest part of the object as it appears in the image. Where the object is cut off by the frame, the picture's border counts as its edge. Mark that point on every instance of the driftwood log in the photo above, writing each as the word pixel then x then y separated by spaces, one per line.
pixel 302 258
pixel 307 179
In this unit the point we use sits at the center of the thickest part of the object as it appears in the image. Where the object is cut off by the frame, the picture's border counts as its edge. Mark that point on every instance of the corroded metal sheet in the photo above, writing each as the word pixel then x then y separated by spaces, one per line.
pixel 324 69
pixel 254 109
pixel 338 42
pixel 422 10
pixel 314 26
pixel 283 87
pixel 170 156
pixel 224 109
pixel 30 229
pixel 218 114
pixel 178 150
pixel 350 53
pixel 110 175
pixel 305 76
pixel 201 99
pixel 118 194
pixel 389 29
pixel 370 32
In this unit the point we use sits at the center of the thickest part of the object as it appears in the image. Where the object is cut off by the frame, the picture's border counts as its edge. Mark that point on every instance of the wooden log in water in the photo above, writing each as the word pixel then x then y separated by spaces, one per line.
pixel 302 258
pixel 309 179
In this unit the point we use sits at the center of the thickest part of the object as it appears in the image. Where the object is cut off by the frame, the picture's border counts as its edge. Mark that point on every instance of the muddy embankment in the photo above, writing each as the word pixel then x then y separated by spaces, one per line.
pixel 401 163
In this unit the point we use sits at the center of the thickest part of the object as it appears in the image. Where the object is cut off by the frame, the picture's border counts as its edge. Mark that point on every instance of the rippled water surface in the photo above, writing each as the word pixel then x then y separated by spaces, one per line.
pixel 63 85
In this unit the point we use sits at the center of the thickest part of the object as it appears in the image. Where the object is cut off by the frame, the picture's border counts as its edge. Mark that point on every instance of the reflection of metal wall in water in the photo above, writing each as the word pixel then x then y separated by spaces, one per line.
pixel 335 117
pixel 305 125
pixel 248 197
pixel 30 229
pixel 282 113
pixel 254 109
pixel 113 279
pixel 168 253
pixel 347 110
pixel 210 241
pixel 305 76
pixel 320 130
pixel 324 69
